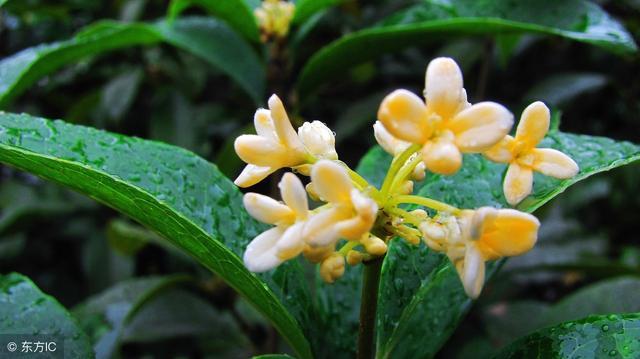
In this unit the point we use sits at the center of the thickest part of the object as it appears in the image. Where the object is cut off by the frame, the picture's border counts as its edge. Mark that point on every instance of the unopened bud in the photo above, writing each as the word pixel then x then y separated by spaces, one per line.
pixel 332 268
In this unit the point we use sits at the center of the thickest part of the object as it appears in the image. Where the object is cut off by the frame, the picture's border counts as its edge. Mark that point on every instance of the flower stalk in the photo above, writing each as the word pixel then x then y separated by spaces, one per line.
pixel 368 308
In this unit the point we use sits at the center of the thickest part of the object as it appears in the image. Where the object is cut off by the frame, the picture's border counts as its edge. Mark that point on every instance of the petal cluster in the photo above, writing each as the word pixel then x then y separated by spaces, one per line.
pixel 523 157
pixel 274 18
pixel 277 145
pixel 444 123
pixel 473 237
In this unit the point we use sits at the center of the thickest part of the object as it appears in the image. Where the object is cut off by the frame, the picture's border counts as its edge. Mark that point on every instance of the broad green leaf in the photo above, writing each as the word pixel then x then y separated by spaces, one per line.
pixel 420 293
pixel 2 2
pixel 612 336
pixel 578 20
pixel 105 315
pixel 562 88
pixel 207 38
pixel 170 190
pixel 28 314
pixel 307 8
pixel 235 12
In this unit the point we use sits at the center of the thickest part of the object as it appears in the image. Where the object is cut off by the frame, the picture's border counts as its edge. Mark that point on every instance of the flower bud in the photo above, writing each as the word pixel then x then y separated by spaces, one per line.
pixel 332 268
pixel 318 139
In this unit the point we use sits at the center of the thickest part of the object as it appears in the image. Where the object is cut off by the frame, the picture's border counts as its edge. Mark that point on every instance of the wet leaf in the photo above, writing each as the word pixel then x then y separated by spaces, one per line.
pixel 170 190
pixel 25 310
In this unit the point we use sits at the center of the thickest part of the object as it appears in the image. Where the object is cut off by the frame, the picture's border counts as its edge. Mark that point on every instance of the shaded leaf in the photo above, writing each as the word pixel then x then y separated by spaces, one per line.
pixel 562 88
pixel 307 8
pixel 207 38
pixel 578 20
pixel 170 190
pixel 25 310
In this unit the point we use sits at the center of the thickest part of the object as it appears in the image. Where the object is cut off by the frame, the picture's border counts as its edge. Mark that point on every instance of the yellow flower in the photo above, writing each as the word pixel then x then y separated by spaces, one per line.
pixel 349 215
pixel 474 237
pixel 524 158
pixel 274 18
pixel 446 125
pixel 276 144
pixel 285 240
pixel 395 147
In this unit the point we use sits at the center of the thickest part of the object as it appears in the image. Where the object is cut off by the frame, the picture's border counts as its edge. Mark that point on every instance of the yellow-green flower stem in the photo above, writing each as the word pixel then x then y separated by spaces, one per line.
pixel 404 172
pixel 423 201
pixel 396 165
pixel 347 247
pixel 406 216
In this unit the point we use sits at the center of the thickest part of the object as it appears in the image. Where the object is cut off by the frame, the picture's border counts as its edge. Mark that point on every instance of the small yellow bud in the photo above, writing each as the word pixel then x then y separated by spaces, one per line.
pixel 374 245
pixel 354 257
pixel 332 268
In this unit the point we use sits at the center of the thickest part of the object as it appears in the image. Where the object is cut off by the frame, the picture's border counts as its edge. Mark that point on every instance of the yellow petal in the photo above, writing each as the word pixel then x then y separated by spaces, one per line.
pixel 282 125
pixel 262 151
pixel 480 126
pixel 534 124
pixel 260 255
pixel 264 124
pixel 404 115
pixel 390 144
pixel 554 163
pixel 517 184
pixel 252 174
pixel 331 181
pixel 365 207
pixel 510 233
pixel 266 209
pixel 294 194
pixel 443 87
pixel 321 229
pixel 291 243
pixel 502 151
pixel 317 254
pixel 473 271
pixel 441 156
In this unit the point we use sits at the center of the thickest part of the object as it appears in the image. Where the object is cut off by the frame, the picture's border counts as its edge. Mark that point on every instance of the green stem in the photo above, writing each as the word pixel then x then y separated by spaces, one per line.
pixel 427 202
pixel 368 307
pixel 404 173
pixel 397 163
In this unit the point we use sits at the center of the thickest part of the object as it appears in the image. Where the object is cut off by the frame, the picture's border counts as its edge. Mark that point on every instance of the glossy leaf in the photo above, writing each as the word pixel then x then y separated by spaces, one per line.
pixel 207 38
pixel 420 294
pixel 562 88
pixel 235 12
pixel 307 8
pixel 577 20
pixel 613 335
pixel 170 190
pixel 28 314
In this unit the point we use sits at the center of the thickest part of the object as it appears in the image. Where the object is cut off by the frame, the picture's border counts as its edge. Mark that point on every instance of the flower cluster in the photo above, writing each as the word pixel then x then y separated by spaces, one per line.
pixel 274 18
pixel 356 220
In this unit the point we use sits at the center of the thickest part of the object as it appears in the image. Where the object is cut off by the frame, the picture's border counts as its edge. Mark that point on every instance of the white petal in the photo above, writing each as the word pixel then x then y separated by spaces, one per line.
pixel 480 126
pixel 331 181
pixel 404 115
pixel 261 151
pixel 291 243
pixel 443 87
pixel 266 209
pixel 318 139
pixel 534 124
pixel 260 255
pixel 294 194
pixel 554 163
pixel 282 124
pixel 390 144
pixel 321 230
pixel 252 174
pixel 264 124
pixel 518 183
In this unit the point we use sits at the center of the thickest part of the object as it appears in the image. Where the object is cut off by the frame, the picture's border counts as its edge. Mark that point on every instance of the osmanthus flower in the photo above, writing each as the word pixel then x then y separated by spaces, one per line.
pixel 274 18
pixel 285 240
pixel 395 147
pixel 473 237
pixel 446 125
pixel 349 213
pixel 277 145
pixel 523 157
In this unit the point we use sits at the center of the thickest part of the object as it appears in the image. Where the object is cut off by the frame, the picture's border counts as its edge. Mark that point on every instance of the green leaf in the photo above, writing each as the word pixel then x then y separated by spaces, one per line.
pixel 2 2
pixel 573 19
pixel 25 310
pixel 424 285
pixel 562 88
pixel 235 12
pixel 273 356
pixel 307 8
pixel 206 38
pixel 169 190
pixel 614 335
